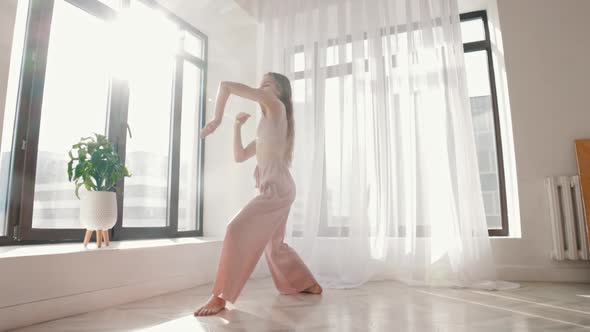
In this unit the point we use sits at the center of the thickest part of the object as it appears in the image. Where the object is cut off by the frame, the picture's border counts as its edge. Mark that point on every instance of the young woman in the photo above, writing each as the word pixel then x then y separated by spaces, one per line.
pixel 260 225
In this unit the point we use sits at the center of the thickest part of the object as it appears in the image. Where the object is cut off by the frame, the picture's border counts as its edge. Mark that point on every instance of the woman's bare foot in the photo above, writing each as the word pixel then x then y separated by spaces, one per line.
pixel 315 289
pixel 212 307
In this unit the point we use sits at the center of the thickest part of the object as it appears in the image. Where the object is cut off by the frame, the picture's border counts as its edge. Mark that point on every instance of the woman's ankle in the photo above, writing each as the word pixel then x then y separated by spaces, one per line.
pixel 217 298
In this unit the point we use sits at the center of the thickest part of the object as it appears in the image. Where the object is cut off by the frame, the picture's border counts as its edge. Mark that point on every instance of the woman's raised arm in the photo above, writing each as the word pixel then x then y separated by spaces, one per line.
pixel 225 90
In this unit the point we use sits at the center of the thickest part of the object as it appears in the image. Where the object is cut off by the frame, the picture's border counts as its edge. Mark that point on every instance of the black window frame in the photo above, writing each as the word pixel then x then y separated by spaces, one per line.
pixel 485 45
pixel 27 125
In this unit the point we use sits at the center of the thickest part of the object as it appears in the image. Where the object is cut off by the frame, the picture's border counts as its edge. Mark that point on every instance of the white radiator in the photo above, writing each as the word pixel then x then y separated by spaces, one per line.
pixel 570 237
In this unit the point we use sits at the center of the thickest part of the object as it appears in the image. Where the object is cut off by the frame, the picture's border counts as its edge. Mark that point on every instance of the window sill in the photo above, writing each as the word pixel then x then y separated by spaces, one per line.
pixel 513 237
pixel 69 248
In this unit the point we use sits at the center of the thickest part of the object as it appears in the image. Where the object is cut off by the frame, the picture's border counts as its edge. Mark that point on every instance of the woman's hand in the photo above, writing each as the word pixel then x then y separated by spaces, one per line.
pixel 210 127
pixel 241 118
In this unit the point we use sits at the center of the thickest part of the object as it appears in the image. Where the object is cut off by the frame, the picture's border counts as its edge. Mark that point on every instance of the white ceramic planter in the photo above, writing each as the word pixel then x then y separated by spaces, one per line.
pixel 98 210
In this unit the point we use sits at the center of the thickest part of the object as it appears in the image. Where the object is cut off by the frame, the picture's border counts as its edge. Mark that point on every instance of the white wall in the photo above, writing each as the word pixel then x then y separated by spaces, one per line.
pixel 541 57
pixel 546 51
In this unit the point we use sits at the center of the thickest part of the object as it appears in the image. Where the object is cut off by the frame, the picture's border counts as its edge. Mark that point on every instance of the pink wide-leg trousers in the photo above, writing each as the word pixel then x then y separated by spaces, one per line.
pixel 260 226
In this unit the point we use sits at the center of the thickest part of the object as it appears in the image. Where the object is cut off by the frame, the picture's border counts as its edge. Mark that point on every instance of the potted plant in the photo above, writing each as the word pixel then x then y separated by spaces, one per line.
pixel 95 166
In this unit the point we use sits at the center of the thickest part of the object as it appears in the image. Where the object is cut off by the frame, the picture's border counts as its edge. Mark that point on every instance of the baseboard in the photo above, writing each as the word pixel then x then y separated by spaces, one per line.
pixel 577 273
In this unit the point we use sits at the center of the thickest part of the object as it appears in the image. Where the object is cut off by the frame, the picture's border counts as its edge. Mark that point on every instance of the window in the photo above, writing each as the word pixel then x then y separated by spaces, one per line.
pixel 149 114
pixel 481 86
pixel 76 38
pixel 484 108
pixel 9 108
pixel 126 69
pixel 190 158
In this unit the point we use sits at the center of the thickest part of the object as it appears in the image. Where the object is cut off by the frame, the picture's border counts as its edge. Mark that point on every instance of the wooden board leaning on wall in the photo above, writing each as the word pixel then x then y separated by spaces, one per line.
pixel 583 158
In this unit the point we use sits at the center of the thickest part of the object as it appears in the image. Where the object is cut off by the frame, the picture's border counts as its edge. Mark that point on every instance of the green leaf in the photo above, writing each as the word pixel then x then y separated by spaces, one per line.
pixel 71 155
pixel 88 183
pixel 70 170
pixel 79 170
pixel 78 185
pixel 82 154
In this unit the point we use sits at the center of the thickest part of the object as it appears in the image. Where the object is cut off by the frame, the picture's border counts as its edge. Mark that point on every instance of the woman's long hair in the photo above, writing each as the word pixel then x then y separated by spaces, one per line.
pixel 285 96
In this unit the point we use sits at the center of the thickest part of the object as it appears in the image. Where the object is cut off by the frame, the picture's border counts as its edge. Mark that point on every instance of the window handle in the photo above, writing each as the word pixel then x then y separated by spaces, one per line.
pixel 129 130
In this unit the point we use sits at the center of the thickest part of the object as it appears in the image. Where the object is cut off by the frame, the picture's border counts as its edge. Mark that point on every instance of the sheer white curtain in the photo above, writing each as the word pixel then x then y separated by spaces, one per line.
pixel 385 162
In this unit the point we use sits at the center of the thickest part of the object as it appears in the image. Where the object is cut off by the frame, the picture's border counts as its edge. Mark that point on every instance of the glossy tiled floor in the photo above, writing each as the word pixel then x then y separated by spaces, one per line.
pixel 377 306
